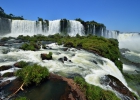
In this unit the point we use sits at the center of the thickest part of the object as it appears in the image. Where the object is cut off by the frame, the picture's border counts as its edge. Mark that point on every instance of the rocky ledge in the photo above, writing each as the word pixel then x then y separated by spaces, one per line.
pixel 73 93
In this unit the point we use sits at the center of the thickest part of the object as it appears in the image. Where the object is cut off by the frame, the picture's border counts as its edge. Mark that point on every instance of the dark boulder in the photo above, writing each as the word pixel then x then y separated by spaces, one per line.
pixel 5 67
pixel 61 60
pixel 65 58
pixel 4 83
pixel 2 44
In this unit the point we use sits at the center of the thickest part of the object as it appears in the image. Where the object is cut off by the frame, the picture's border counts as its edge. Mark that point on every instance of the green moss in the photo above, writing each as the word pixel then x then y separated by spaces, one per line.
pixel 94 92
pixel 20 98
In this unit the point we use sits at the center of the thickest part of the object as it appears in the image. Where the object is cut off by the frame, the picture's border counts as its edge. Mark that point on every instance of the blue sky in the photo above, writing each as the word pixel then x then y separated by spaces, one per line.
pixel 123 15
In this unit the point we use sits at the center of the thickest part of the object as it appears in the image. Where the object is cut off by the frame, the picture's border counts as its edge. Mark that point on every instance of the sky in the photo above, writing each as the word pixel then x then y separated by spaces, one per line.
pixel 122 15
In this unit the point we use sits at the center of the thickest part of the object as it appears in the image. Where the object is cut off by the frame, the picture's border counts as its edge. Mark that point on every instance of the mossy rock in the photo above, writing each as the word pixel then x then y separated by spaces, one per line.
pixel 46 56
pixel 5 67
pixel 21 64
pixel 8 74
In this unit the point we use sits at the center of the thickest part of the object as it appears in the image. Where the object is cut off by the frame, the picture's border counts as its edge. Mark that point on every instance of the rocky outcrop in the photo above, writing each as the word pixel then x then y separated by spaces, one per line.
pixel 8 74
pixel 118 86
pixel 74 92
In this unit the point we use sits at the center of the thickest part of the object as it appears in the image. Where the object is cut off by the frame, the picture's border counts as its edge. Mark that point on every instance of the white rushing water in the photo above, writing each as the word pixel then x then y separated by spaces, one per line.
pixel 90 66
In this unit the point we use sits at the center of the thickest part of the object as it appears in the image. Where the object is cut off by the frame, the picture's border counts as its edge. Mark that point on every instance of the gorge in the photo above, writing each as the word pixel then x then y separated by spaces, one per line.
pixel 94 67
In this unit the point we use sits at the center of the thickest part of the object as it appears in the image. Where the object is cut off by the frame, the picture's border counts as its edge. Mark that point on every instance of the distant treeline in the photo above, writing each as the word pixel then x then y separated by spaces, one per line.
pixel 9 16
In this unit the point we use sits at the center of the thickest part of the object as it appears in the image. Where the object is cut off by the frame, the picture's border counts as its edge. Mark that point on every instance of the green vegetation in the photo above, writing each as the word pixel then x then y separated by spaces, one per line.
pixel 32 74
pixel 94 92
pixel 30 46
pixel 20 98
pixel 133 81
pixel 9 16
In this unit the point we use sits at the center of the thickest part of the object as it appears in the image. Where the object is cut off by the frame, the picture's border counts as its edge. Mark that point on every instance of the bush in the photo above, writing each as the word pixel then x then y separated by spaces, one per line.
pixel 32 74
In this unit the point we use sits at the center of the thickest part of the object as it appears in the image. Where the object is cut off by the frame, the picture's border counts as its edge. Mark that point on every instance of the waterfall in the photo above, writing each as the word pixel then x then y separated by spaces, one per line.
pixel 102 32
pixel 25 27
pixel 54 27
pixel 94 30
pixel 75 28
pixel 111 34
pixel 130 41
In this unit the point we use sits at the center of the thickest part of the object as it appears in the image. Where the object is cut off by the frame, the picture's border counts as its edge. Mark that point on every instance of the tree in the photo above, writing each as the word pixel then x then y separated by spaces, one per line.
pixel 1 10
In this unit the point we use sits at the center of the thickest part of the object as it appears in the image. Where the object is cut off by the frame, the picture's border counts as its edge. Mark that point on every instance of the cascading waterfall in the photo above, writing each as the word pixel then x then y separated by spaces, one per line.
pixel 111 34
pixel 70 27
pixel 90 66
pixel 75 28
pixel 26 27
pixel 54 27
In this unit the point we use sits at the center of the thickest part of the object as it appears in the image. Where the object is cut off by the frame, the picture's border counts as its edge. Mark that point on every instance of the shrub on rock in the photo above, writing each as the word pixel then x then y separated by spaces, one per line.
pixel 32 74
pixel 46 56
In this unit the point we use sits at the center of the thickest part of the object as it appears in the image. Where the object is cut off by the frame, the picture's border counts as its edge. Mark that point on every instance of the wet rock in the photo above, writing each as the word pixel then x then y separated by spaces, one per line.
pixel 137 71
pixel 5 67
pixel 65 58
pixel 65 49
pixel 4 83
pixel 70 61
pixel 118 86
pixel 2 44
pixel 61 60
pixel 94 62
pixel 17 65
pixel 46 56
pixel 8 74
pixel 123 50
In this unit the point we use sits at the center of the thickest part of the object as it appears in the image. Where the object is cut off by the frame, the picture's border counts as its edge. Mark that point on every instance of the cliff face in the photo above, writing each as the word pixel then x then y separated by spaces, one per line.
pixel 47 27
pixel 5 26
